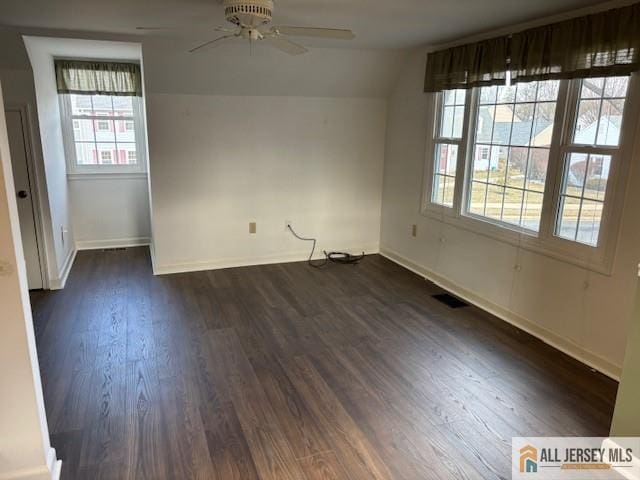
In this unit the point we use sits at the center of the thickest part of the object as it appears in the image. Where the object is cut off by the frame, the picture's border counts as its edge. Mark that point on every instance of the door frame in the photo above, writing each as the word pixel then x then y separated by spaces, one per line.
pixel 35 176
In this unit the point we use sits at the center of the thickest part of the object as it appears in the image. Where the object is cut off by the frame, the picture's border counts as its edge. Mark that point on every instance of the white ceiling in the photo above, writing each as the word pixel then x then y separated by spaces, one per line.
pixel 388 24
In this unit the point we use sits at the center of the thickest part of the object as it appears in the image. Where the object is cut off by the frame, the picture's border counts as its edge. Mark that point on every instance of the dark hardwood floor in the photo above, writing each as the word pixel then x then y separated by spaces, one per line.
pixel 288 372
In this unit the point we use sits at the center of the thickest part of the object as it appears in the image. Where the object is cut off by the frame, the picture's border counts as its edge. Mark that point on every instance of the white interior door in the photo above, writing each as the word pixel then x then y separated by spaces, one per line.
pixel 26 212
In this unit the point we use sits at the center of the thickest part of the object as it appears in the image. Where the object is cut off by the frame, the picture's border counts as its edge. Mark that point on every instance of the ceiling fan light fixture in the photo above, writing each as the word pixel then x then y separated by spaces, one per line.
pixel 251 18
pixel 248 13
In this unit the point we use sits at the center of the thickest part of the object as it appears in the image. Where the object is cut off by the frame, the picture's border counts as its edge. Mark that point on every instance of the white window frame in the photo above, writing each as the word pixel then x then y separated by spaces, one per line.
pixel 598 259
pixel 74 169
pixel 436 209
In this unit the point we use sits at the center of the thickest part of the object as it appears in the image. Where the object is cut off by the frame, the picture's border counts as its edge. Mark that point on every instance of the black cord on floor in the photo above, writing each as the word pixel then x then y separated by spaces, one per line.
pixel 313 249
pixel 336 257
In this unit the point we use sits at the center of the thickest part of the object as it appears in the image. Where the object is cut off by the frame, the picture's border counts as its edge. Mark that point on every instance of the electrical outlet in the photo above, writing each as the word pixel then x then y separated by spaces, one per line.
pixel 287 225
pixel 414 230
pixel 252 228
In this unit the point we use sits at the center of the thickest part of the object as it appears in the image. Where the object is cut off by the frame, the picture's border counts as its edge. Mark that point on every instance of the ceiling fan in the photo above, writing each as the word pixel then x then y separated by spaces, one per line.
pixel 252 18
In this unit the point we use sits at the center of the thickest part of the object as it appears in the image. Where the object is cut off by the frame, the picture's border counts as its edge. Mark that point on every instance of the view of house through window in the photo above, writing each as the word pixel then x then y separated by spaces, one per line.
pixel 586 172
pixel 508 161
pixel 103 129
pixel 448 138
pixel 514 127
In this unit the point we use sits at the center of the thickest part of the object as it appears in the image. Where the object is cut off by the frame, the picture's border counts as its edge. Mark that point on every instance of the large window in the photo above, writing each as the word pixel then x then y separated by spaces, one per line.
pixel 102 133
pixel 514 126
pixel 538 159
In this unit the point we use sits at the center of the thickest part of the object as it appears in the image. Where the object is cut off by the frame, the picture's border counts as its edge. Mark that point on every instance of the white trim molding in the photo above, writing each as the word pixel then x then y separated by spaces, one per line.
pixel 74 177
pixel 55 465
pixel 299 256
pixel 34 174
pixel 60 282
pixel 566 346
pixel 112 243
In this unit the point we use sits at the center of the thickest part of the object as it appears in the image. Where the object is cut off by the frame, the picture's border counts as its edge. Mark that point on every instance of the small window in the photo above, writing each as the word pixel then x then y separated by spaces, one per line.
pixel 101 133
pixel 448 141
pixel 102 126
pixel 106 157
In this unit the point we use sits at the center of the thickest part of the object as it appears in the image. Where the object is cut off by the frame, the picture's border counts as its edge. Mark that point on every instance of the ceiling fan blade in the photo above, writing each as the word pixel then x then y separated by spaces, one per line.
pixel 335 33
pixel 159 29
pixel 225 29
pixel 285 45
pixel 212 43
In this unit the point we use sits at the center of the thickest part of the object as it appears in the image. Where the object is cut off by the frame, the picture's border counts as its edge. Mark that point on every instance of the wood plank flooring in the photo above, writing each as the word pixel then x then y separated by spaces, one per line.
pixel 291 373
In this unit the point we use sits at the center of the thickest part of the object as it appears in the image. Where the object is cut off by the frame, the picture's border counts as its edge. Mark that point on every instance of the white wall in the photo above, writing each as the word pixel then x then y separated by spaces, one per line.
pixel 237 69
pixel 220 162
pixel 105 211
pixel 109 211
pixel 581 312
pixel 343 206
pixel 237 136
pixel 626 418
pixel 51 177
pixel 59 229
pixel 97 212
pixel 25 451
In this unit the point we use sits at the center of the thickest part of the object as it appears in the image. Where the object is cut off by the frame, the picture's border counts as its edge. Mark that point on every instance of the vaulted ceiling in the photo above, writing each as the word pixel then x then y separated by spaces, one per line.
pixel 388 24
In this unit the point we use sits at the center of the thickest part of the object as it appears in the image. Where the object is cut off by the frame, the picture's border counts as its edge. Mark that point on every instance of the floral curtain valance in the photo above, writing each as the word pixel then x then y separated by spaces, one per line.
pixel 606 43
pixel 98 78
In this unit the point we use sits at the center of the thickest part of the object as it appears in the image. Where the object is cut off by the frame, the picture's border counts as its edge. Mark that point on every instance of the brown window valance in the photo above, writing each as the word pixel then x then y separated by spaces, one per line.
pixel 597 45
pixel 474 64
pixel 98 78
pixel 601 44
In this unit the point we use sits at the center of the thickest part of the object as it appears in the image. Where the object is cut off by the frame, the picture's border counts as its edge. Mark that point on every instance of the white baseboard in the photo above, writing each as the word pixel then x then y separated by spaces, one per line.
pixel 112 243
pixel 60 282
pixel 152 254
pixel 566 346
pixel 300 256
pixel 55 465
pixel 57 469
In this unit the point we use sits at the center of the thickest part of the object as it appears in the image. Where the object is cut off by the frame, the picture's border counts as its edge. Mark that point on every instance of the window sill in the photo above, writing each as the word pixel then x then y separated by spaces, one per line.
pixel 106 176
pixel 598 261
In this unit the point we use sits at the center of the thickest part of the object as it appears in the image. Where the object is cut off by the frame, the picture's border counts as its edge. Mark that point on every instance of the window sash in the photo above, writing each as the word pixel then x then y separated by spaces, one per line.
pixel 68 118
pixel 468 177
pixel 615 187
pixel 103 118
pixel 437 139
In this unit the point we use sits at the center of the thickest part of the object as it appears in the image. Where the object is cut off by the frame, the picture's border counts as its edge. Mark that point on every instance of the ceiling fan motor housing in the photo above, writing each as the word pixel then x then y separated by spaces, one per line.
pixel 248 13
